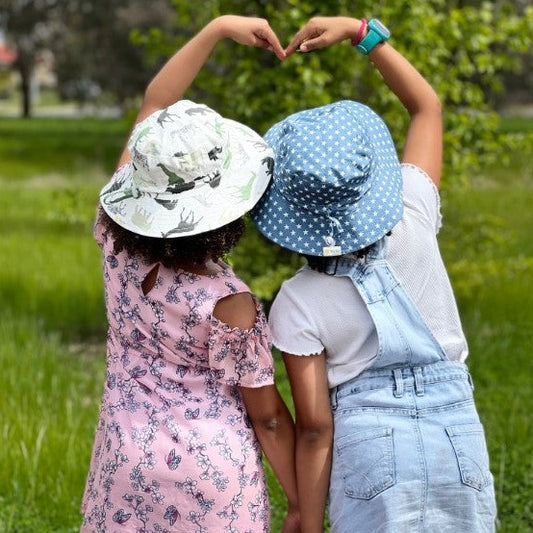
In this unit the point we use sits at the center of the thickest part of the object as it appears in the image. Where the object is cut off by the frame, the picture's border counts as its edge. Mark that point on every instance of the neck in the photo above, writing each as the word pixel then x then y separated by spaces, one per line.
pixel 203 269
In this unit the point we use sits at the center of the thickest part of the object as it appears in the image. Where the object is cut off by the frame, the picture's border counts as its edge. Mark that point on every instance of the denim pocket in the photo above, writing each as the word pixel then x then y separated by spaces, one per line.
pixel 468 441
pixel 367 462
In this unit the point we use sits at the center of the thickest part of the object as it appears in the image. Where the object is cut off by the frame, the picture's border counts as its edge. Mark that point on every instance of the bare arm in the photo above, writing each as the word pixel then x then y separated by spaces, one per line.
pixel 178 73
pixel 270 418
pixel 314 436
pixel 273 425
pixel 423 145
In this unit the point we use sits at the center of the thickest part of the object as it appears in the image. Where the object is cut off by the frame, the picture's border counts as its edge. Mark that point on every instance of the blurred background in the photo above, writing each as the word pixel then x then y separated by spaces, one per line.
pixel 72 74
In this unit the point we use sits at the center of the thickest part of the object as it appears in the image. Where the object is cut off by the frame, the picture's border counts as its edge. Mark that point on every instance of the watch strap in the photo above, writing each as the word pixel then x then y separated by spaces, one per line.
pixel 370 40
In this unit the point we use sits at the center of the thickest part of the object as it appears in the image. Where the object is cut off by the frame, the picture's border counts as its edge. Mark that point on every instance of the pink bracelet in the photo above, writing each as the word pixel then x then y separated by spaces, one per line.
pixel 359 37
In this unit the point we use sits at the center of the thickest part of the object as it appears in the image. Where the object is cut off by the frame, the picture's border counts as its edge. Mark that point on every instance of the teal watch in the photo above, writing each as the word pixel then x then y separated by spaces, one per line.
pixel 377 33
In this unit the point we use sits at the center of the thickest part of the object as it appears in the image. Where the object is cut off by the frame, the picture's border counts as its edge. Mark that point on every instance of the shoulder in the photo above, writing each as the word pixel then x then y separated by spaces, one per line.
pixel 306 294
pixel 303 279
pixel 236 310
pixel 300 285
pixel 420 195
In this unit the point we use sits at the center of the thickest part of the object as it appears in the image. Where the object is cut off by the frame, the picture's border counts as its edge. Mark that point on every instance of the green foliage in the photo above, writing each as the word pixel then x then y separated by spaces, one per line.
pixel 461 49
pixel 52 307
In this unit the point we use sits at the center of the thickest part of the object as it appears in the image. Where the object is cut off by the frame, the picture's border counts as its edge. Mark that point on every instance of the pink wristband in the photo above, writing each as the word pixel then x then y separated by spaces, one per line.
pixel 359 37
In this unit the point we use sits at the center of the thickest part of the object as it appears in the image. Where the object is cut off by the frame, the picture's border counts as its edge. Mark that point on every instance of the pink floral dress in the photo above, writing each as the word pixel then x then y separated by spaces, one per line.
pixel 174 450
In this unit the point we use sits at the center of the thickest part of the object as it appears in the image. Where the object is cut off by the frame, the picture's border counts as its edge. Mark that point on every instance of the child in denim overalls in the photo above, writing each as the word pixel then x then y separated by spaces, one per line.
pixel 369 329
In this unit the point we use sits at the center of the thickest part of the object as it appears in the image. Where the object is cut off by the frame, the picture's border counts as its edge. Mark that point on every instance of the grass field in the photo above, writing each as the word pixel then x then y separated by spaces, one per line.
pixel 52 326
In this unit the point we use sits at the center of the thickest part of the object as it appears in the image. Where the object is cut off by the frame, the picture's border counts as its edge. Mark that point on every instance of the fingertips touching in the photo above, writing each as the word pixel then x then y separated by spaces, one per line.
pixel 275 46
pixel 295 43
pixel 294 46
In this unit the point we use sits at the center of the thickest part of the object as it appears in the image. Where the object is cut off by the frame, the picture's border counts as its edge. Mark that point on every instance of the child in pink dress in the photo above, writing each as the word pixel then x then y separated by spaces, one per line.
pixel 189 402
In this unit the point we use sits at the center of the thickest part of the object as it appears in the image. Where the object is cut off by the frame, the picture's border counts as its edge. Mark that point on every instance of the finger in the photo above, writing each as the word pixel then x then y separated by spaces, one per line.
pixel 271 39
pixel 314 44
pixel 296 41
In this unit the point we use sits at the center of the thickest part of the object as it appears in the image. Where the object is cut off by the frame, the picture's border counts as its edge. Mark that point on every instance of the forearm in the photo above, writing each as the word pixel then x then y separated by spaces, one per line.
pixel 406 82
pixel 276 436
pixel 178 73
pixel 411 88
pixel 423 143
pixel 274 428
pixel 313 466
pixel 176 76
pixel 314 436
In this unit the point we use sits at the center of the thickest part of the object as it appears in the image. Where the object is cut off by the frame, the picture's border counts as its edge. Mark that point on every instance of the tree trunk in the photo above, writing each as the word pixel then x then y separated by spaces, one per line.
pixel 25 89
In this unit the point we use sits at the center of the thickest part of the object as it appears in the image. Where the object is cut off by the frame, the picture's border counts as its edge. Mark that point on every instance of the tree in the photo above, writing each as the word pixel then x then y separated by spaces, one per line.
pixel 96 48
pixel 90 41
pixel 30 25
pixel 463 48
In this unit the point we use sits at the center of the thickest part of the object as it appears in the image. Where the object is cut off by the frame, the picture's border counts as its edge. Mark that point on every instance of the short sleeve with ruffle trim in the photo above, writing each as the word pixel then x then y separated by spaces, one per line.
pixel 241 357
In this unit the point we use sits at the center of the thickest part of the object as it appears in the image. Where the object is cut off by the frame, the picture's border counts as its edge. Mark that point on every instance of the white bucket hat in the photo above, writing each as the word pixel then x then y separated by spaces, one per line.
pixel 191 171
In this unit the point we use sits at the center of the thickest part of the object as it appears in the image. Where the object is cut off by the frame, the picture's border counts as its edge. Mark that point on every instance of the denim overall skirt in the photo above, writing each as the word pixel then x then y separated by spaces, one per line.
pixel 409 451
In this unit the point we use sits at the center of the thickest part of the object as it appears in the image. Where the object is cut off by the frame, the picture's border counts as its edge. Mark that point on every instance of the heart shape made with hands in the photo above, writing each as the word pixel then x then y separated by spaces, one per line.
pixel 318 32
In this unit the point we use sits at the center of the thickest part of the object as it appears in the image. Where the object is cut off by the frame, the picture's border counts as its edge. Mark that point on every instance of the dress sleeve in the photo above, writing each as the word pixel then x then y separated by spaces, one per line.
pixel 241 357
pixel 421 195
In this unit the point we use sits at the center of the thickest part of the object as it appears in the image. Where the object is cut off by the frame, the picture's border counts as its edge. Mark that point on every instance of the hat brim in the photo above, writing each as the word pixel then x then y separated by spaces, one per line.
pixel 206 205
pixel 304 232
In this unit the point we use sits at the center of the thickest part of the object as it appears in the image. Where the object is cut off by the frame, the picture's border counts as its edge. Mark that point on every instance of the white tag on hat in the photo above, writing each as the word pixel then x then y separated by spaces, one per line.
pixel 328 251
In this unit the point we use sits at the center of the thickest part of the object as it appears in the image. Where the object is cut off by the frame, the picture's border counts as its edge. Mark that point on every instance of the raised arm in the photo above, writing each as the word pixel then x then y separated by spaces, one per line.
pixel 423 144
pixel 175 77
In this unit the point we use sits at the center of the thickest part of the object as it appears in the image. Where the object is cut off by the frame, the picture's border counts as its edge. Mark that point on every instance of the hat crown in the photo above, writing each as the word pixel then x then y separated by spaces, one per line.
pixel 323 159
pixel 324 156
pixel 173 148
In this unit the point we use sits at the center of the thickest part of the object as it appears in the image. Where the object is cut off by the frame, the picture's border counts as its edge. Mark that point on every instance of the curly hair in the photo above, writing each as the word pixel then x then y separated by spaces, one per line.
pixel 173 253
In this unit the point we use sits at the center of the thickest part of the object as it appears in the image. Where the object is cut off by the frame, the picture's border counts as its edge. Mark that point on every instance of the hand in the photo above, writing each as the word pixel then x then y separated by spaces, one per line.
pixel 291 524
pixel 321 32
pixel 251 31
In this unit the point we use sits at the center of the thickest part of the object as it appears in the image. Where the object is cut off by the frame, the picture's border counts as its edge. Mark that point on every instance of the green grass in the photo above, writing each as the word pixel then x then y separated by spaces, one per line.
pixel 49 399
pixel 494 275
pixel 517 124
pixel 50 268
pixel 52 324
pixel 41 147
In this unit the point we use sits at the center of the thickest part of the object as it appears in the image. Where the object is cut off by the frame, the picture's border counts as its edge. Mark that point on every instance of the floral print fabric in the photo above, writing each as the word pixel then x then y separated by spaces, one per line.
pixel 174 450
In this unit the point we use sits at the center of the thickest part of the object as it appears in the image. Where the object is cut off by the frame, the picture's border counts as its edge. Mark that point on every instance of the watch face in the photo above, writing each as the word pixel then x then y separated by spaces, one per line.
pixel 381 28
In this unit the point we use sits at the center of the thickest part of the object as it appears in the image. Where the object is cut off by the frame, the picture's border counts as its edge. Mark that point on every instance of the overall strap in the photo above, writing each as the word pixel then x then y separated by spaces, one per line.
pixel 403 337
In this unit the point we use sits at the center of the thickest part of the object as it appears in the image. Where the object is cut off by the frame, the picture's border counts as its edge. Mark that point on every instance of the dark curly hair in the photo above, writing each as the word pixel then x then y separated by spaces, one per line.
pixel 173 253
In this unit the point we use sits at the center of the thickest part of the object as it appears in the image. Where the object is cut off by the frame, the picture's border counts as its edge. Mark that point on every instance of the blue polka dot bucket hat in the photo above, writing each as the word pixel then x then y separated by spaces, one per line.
pixel 191 171
pixel 336 184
